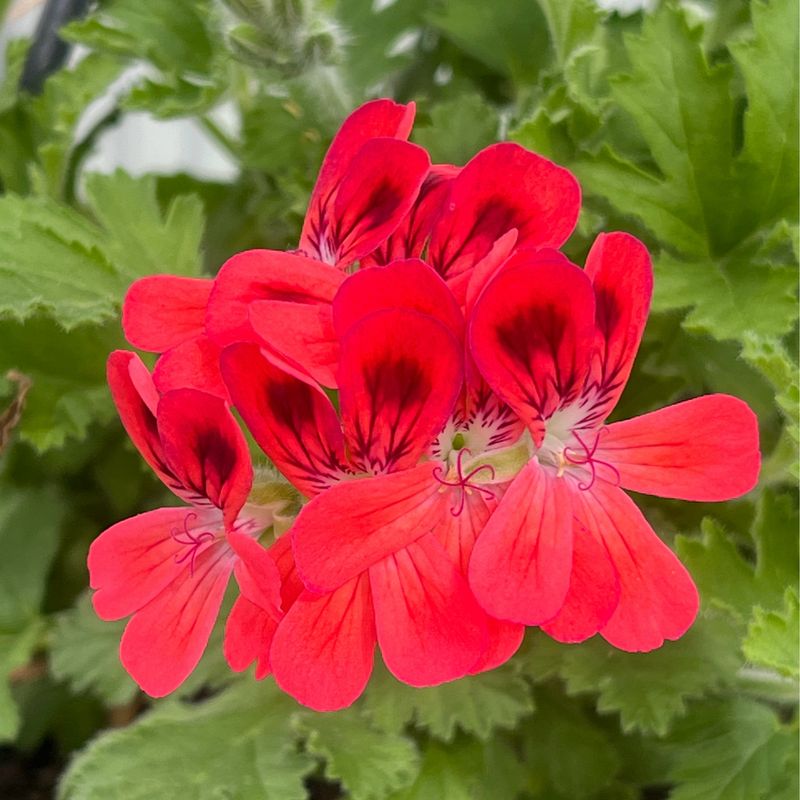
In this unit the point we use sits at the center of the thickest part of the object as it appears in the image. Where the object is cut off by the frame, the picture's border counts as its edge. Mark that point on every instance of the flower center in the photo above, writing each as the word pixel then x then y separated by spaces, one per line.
pixel 464 484
pixel 581 452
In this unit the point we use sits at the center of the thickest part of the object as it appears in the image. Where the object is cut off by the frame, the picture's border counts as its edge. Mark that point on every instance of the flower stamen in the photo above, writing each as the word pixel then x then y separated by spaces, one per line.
pixel 586 459
pixel 194 542
pixel 465 483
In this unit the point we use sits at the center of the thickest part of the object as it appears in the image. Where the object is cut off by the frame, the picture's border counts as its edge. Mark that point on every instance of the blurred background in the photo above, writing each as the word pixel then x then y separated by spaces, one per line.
pixel 145 136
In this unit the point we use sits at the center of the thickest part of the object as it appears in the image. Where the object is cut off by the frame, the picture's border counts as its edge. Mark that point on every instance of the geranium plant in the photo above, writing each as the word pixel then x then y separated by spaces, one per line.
pixel 463 423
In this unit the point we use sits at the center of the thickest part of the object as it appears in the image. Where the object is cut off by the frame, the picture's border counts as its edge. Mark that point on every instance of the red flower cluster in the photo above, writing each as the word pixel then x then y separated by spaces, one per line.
pixel 463 483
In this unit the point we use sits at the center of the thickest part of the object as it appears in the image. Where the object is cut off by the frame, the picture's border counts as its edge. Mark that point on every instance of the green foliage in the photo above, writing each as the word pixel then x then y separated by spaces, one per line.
pixel 568 748
pixel 369 763
pixel 237 744
pixel 731 750
pixel 476 704
pixel 647 690
pixel 85 652
pixel 29 521
pixel 466 770
pixel 726 578
pixel 682 128
pixel 773 636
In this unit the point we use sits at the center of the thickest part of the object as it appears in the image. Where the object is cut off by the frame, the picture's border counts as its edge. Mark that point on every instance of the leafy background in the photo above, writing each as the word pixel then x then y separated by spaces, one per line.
pixel 682 128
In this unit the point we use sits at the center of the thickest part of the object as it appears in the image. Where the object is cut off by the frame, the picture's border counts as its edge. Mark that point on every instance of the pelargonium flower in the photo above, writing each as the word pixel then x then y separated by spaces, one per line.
pixel 168 568
pixel 388 579
pixel 566 548
pixel 368 182
pixel 355 524
pixel 376 200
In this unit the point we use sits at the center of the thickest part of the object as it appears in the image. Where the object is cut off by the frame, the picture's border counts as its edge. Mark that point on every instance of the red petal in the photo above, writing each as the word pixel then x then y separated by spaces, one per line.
pixel 248 637
pixel 323 649
pixel 503 187
pixel 291 585
pixel 487 268
pixel 408 284
pixel 458 533
pixel 532 332
pixel 133 561
pixel 164 641
pixel 379 189
pixel 400 373
pixel 264 275
pixel 429 626
pixel 301 334
pixel 593 590
pixel 256 573
pixel 136 399
pixel 193 364
pixel 356 523
pixel 703 449
pixel 162 311
pixel 520 566
pixel 289 416
pixel 622 275
pixel 378 118
pixel 205 449
pixel 409 239
pixel 658 599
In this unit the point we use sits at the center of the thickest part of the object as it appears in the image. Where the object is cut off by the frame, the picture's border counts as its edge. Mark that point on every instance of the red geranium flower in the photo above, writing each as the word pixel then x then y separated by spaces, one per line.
pixel 387 579
pixel 169 567
pixel 368 182
pixel 566 548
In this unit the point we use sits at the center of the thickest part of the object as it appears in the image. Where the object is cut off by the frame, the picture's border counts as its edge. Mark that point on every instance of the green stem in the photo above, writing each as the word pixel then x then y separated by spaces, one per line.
pixel 220 137
pixel 767 685
pixel 82 150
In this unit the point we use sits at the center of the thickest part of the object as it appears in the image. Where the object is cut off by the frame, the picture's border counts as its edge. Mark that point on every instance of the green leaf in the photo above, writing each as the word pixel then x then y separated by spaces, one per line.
pixel 55 260
pixel 16 51
pixel 572 23
pixel 467 770
pixel 476 704
pixel 238 744
pixel 67 370
pixel 84 651
pixel 769 159
pixel 15 651
pixel 726 579
pixel 459 128
pixel 772 637
pixel 509 37
pixel 741 293
pixel 562 743
pixel 52 259
pixel 142 240
pixel 684 110
pixel 29 534
pixel 380 39
pixel 647 690
pixel 369 763
pixel 181 40
pixel 771 358
pixel 730 750
pixel 716 212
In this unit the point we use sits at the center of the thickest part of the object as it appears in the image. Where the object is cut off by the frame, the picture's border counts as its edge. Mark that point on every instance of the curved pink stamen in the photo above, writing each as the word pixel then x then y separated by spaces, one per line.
pixel 588 460
pixel 193 541
pixel 464 482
